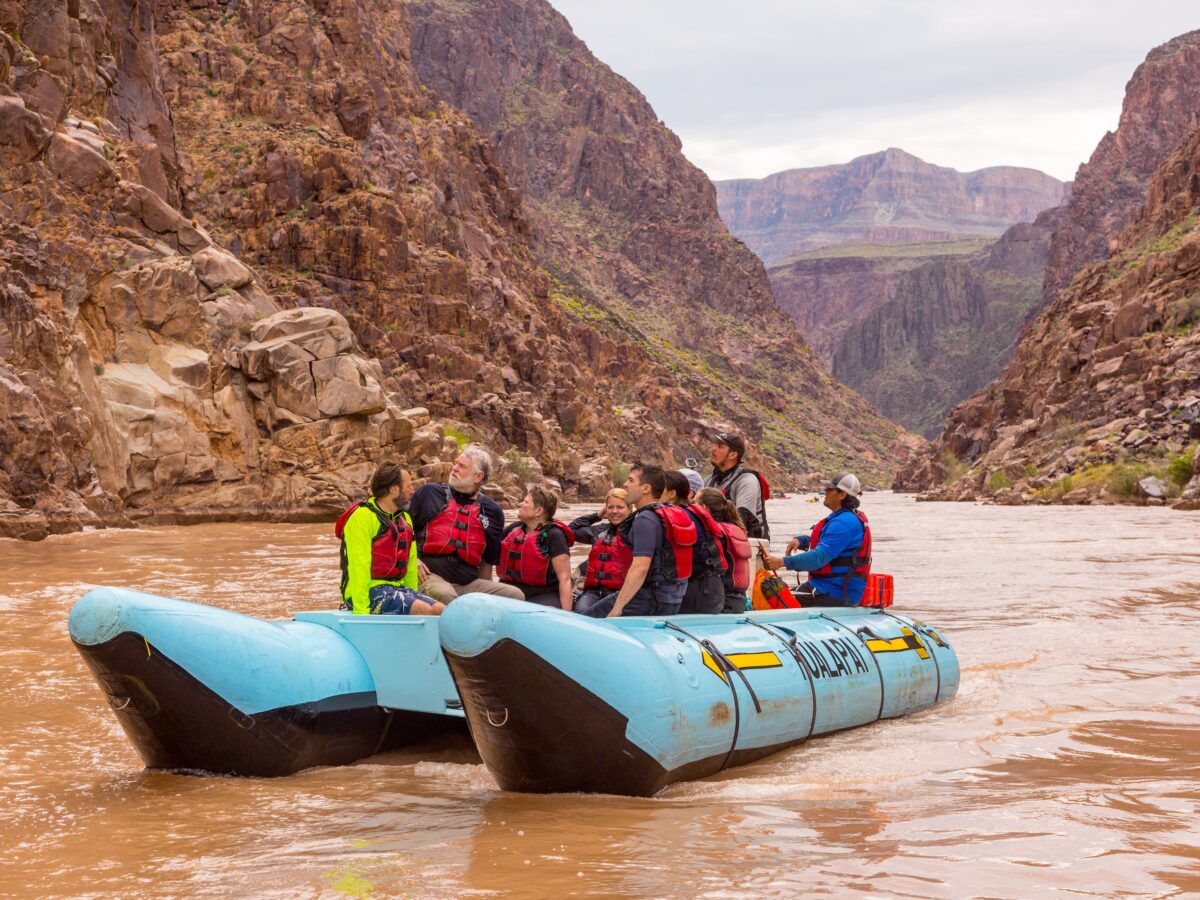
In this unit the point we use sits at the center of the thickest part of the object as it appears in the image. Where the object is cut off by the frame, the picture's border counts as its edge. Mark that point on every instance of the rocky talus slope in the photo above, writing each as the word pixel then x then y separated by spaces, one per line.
pixel 891 197
pixel 630 230
pixel 245 254
pixel 1105 387
pixel 1102 390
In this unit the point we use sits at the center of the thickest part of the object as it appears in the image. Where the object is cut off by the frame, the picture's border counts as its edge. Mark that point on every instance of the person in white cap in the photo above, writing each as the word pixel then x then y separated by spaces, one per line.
pixel 837 554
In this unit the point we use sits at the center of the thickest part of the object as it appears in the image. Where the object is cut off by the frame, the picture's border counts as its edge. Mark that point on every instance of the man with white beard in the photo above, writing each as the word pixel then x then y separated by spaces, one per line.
pixel 459 532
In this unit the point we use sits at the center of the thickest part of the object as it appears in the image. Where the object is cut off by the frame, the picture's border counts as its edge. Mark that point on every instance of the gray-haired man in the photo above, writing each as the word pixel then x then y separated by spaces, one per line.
pixel 459 531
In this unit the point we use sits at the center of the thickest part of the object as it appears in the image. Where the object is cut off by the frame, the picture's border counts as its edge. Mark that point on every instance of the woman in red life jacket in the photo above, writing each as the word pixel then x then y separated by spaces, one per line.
pixel 535 553
pixel 608 533
pixel 736 578
pixel 378 553
pixel 705 593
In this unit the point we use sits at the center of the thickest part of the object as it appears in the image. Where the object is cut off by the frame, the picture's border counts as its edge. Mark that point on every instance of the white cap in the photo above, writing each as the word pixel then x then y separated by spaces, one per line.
pixel 695 479
pixel 846 483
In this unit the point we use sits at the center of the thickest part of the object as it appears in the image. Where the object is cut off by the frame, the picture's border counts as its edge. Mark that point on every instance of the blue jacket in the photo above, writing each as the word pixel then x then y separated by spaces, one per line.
pixel 842 533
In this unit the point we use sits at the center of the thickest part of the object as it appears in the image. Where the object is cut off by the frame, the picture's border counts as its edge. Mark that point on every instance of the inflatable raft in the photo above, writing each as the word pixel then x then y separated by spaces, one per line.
pixel 560 702
pixel 554 701
pixel 201 688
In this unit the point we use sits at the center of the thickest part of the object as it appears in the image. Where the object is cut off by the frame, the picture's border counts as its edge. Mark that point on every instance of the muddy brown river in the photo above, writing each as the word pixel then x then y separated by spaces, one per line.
pixel 1068 764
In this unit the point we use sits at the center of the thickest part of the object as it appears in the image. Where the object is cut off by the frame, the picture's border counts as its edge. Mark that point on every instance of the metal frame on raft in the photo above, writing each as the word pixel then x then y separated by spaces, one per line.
pixel 554 701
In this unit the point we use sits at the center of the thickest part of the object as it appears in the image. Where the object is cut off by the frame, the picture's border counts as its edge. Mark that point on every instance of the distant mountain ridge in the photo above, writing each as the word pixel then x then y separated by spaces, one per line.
pixel 890 197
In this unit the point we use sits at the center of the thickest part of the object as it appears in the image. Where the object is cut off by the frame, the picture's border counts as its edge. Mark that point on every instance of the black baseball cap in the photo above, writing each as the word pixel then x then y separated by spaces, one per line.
pixel 734 442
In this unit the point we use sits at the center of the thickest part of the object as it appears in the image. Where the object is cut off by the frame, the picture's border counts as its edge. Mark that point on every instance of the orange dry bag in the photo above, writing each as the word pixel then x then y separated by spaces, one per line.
pixel 769 591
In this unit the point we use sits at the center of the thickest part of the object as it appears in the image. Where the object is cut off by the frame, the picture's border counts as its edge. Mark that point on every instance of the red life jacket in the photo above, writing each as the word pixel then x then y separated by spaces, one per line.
pixel 708 547
pixel 524 561
pixel 737 547
pixel 609 561
pixel 680 532
pixel 456 531
pixel 854 563
pixel 390 547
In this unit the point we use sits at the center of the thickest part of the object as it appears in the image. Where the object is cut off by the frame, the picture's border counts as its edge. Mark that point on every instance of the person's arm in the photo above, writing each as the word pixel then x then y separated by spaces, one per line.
pixel 493 536
pixel 562 568
pixel 360 531
pixel 799 542
pixel 586 528
pixel 634 578
pixel 486 570
pixel 836 538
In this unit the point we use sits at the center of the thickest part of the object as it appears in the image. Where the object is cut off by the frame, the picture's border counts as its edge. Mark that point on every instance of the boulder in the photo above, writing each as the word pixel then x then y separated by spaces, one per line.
pixel 77 163
pixel 321 332
pixel 595 478
pixel 346 386
pixel 22 130
pixel 218 268
pixel 1151 488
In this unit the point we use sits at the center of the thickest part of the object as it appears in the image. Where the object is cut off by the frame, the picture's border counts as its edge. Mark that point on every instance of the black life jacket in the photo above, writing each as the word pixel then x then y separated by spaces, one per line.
pixel 856 562
pixel 758 529
pixel 455 531
pixel 708 556
pixel 609 561
pixel 390 548
pixel 525 561
pixel 673 560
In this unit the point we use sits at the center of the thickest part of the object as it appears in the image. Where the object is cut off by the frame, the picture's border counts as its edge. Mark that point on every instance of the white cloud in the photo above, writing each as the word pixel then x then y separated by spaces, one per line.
pixel 766 85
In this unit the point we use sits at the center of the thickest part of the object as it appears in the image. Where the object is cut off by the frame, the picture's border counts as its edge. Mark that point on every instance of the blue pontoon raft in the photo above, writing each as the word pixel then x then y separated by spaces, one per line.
pixel 554 701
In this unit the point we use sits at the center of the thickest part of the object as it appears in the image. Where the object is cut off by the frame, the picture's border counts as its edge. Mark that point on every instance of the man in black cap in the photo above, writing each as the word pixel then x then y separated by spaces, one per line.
pixel 744 486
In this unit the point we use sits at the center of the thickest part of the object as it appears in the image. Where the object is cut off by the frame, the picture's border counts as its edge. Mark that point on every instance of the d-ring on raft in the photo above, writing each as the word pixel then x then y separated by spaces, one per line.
pixel 555 701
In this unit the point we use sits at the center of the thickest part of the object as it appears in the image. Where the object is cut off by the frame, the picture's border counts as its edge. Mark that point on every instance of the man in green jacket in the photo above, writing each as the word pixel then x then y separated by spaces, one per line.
pixel 379 553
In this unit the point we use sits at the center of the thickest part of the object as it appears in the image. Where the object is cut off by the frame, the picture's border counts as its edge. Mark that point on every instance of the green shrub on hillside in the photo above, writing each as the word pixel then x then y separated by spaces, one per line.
pixel 1179 470
pixel 1122 480
pixel 999 481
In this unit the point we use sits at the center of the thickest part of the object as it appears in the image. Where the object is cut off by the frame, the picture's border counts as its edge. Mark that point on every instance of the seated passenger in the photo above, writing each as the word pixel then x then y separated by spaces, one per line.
pixel 661 536
pixel 458 532
pixel 535 553
pixel 837 555
pixel 705 592
pixel 378 553
pixel 611 554
pixel 735 580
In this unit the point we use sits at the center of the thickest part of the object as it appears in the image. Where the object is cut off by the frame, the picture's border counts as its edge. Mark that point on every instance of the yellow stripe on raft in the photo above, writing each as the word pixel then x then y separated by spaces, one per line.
pixel 763 660
pixel 908 641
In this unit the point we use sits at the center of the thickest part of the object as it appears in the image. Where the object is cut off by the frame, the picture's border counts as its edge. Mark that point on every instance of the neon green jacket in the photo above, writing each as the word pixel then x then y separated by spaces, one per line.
pixel 360 530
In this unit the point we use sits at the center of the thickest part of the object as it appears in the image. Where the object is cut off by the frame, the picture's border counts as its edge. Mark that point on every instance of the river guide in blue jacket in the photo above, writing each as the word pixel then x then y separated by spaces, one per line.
pixel 837 555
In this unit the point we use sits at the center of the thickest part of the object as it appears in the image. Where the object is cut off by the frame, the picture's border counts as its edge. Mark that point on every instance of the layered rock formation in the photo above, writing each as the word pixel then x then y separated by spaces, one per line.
pixel 909 316
pixel 243 250
pixel 1161 106
pixel 890 197
pixel 631 229
pixel 1105 386
pixel 949 328
pixel 829 292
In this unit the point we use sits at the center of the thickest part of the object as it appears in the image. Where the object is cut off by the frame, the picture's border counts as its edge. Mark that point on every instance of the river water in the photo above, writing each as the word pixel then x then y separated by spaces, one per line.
pixel 1069 763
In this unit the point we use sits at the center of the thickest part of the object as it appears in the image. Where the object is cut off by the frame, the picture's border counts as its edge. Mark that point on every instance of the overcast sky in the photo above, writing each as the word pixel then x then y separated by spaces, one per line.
pixel 757 86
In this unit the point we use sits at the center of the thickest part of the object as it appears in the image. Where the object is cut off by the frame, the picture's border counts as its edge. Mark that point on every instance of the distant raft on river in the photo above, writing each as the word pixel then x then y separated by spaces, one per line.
pixel 554 701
